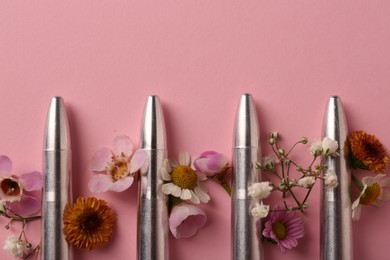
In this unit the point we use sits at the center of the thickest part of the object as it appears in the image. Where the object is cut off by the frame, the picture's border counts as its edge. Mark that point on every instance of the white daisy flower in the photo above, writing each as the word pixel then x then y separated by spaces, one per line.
pixel 375 192
pixel 182 181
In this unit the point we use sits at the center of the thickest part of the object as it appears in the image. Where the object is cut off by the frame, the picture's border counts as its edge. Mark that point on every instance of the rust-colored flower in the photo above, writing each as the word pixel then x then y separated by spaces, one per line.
pixel 367 152
pixel 89 223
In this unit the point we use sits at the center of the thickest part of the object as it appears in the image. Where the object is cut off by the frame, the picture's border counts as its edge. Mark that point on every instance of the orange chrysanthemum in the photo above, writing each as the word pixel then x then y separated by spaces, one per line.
pixel 88 223
pixel 367 152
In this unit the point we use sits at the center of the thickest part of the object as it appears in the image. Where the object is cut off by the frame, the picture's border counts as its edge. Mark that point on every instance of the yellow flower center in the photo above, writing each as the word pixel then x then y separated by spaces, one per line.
pixel 184 177
pixel 119 168
pixel 279 230
pixel 370 195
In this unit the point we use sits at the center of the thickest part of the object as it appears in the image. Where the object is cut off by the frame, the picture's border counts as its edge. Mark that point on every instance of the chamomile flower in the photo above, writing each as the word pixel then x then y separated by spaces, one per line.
pixel 182 181
pixel 376 191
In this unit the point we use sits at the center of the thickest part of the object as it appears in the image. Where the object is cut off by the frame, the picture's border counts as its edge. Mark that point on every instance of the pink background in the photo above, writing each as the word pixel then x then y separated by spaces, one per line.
pixel 106 57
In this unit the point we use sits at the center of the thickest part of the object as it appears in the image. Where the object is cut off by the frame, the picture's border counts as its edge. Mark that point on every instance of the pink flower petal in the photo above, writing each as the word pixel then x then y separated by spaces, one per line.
pixel 100 183
pixel 122 184
pixel 185 220
pixel 138 161
pixel 122 144
pixel 5 164
pixel 28 205
pixel 31 181
pixel 100 160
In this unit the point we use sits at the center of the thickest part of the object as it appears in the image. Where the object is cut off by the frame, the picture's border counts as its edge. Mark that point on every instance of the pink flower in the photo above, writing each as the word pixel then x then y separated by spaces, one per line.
pixel 14 190
pixel 117 168
pixel 284 228
pixel 210 163
pixel 185 220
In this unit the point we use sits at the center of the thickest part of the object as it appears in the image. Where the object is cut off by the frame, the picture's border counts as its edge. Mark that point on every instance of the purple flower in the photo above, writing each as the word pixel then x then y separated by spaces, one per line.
pixel 185 220
pixel 14 189
pixel 284 228
pixel 210 163
pixel 117 168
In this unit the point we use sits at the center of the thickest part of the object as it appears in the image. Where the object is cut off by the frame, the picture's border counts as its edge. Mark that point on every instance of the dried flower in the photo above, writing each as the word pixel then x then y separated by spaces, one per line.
pixel 14 190
pixel 284 228
pixel 183 181
pixel 15 246
pixel 117 169
pixel 260 190
pixel 330 179
pixel 367 152
pixel 89 223
pixel 210 163
pixel 185 220
pixel 260 210
pixel 376 191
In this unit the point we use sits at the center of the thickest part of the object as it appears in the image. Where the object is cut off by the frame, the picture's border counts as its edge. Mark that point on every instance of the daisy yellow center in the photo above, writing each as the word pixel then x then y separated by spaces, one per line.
pixel 184 177
pixel 10 187
pixel 370 195
pixel 279 230
pixel 119 168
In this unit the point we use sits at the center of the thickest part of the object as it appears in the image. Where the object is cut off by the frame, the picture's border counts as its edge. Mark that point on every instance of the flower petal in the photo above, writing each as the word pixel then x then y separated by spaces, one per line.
pixel 138 161
pixel 202 195
pixel 31 181
pixel 122 144
pixel 185 220
pixel 5 164
pixel 164 174
pixel 100 159
pixel 170 188
pixel 184 158
pixel 100 183
pixel 28 205
pixel 122 184
pixel 185 194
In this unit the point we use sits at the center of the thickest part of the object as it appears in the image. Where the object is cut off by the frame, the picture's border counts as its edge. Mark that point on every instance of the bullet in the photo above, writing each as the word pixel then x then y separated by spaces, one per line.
pixel 336 228
pixel 152 208
pixel 57 182
pixel 246 243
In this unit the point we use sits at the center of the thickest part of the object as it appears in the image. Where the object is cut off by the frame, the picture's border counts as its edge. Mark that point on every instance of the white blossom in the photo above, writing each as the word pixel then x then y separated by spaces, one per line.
pixel 331 180
pixel 306 182
pixel 15 246
pixel 260 210
pixel 329 147
pixel 260 190
pixel 316 148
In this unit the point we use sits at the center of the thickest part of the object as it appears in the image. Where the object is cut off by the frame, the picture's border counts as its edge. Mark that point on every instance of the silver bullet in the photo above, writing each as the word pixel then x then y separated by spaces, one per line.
pixel 57 182
pixel 246 243
pixel 336 228
pixel 152 208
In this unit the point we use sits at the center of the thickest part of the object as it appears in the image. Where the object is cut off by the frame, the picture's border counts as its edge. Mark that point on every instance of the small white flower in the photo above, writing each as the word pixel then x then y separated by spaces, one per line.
pixel 268 162
pixel 376 192
pixel 260 190
pixel 331 180
pixel 329 147
pixel 15 246
pixel 306 182
pixel 260 210
pixel 316 148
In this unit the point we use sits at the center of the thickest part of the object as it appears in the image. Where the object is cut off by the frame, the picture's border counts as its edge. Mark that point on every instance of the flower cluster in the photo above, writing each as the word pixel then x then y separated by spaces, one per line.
pixel 184 183
pixel 284 225
pixel 366 152
pixel 18 203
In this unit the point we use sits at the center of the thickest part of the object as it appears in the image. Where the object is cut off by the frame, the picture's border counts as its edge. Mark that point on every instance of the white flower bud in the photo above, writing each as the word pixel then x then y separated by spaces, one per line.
pixel 260 210
pixel 306 182
pixel 331 180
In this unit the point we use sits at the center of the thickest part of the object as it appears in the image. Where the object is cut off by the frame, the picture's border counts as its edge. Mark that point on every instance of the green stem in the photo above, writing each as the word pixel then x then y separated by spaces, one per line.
pixel 358 183
pixel 226 186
